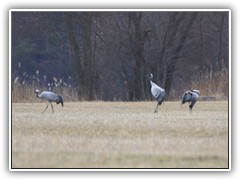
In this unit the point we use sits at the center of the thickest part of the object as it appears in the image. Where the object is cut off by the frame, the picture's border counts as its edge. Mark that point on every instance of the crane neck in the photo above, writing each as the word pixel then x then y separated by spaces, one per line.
pixel 152 83
pixel 151 76
pixel 37 94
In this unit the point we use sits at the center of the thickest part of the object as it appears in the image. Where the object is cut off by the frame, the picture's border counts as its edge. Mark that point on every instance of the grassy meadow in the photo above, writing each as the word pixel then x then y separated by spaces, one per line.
pixel 120 135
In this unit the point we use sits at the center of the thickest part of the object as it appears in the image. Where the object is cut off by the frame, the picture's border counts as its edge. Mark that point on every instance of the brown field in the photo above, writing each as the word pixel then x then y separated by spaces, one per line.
pixel 120 135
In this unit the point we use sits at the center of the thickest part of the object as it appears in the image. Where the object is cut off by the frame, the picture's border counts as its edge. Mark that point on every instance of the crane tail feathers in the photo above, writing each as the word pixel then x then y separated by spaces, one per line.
pixel 60 100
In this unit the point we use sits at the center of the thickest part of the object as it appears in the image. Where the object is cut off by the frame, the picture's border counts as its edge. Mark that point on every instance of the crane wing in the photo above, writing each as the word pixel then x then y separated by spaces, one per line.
pixel 187 96
pixel 49 96
pixel 195 97
pixel 157 92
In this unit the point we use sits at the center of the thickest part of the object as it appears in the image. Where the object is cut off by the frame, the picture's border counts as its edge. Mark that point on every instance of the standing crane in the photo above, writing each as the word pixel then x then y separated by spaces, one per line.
pixel 190 96
pixel 50 97
pixel 157 92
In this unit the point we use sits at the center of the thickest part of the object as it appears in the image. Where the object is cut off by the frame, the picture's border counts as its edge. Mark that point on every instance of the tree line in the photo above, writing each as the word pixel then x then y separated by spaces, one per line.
pixel 106 55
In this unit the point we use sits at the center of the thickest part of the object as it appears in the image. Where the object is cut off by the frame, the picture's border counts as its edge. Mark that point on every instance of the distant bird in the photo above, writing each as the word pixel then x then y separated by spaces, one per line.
pixel 190 96
pixel 50 97
pixel 157 92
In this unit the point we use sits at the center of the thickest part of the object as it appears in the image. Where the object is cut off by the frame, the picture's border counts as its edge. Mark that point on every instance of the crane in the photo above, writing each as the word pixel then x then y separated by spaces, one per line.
pixel 50 97
pixel 157 92
pixel 190 96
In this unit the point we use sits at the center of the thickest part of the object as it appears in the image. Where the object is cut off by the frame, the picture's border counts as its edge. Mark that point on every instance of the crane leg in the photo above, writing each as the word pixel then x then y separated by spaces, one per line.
pixel 45 108
pixel 190 108
pixel 156 110
pixel 52 107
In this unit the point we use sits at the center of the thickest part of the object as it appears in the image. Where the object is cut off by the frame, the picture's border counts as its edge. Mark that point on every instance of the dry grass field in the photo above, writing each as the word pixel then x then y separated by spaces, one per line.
pixel 120 135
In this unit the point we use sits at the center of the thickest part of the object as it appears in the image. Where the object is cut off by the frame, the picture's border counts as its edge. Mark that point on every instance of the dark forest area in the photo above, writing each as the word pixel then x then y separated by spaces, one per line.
pixel 97 55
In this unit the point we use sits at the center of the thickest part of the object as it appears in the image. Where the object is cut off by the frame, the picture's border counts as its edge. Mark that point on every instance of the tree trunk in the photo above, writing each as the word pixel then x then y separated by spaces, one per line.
pixel 87 56
pixel 171 67
pixel 75 54
pixel 138 39
pixel 220 62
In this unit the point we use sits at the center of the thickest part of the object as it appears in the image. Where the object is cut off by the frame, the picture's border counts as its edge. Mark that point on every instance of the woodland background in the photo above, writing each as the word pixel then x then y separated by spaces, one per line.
pixel 106 55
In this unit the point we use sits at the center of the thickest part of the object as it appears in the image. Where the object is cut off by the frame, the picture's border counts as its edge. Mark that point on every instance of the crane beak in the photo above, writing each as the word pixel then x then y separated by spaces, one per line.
pixel 147 75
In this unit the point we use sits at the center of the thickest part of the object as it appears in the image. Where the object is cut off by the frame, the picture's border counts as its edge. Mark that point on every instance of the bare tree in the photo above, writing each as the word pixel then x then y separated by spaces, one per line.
pixel 87 55
pixel 75 54
pixel 138 39
pixel 176 43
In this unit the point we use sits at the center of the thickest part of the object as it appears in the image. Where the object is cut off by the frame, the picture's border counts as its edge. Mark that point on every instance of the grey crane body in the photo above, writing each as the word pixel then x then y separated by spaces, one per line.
pixel 50 97
pixel 190 96
pixel 157 92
